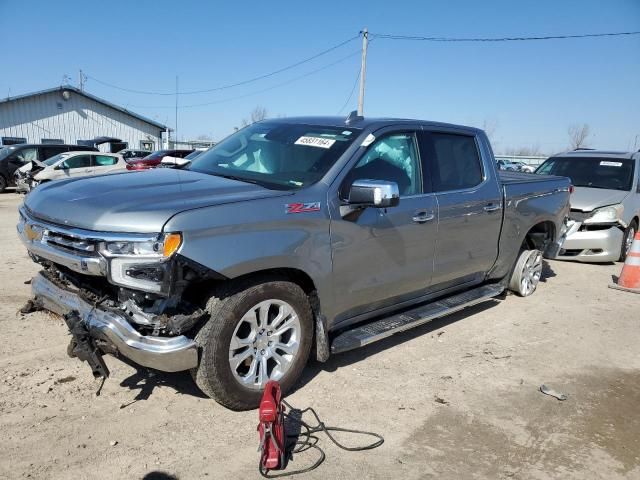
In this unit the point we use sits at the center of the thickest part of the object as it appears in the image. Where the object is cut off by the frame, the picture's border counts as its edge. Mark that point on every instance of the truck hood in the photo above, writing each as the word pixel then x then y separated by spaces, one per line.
pixel 136 202
pixel 588 199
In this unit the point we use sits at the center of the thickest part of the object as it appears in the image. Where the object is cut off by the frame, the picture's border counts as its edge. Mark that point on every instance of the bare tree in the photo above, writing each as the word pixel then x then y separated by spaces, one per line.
pixel 578 135
pixel 257 114
pixel 490 127
pixel 531 151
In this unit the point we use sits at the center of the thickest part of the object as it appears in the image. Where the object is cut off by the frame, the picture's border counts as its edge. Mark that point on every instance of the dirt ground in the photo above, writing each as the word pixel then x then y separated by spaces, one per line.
pixel 455 399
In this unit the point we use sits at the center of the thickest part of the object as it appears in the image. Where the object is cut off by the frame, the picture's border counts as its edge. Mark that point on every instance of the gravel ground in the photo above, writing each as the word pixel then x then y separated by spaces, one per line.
pixel 455 399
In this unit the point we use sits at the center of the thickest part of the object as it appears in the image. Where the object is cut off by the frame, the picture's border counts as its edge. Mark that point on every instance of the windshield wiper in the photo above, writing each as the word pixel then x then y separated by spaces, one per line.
pixel 233 177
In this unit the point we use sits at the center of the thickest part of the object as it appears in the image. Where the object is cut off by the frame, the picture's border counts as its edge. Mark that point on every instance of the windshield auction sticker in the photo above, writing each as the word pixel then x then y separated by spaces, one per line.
pixel 315 142
pixel 610 164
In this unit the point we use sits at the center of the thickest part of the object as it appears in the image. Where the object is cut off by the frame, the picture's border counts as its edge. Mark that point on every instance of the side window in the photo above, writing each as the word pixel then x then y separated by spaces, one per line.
pixel 48 152
pixel 546 167
pixel 79 161
pixel 26 155
pixel 104 160
pixel 454 161
pixel 393 158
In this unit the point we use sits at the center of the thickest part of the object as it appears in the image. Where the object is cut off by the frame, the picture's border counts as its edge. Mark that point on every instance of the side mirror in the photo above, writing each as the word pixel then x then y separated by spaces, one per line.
pixel 374 193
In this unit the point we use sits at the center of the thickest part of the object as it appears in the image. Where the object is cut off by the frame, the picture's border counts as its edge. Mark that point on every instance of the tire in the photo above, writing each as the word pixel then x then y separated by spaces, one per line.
pixel 237 387
pixel 627 240
pixel 3 184
pixel 526 273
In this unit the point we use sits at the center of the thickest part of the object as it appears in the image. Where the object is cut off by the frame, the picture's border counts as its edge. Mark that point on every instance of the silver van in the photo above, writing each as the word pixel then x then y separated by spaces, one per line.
pixel 605 205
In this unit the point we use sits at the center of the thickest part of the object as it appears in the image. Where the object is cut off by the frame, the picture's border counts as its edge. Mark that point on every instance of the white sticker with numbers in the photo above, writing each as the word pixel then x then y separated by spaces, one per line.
pixel 610 164
pixel 315 142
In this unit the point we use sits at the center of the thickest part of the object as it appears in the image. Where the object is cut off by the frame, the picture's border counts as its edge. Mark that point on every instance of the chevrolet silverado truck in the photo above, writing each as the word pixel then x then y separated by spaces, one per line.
pixel 290 238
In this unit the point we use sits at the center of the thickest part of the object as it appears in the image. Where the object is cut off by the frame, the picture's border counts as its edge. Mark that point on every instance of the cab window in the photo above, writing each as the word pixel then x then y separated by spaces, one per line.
pixel 393 158
pixel 453 161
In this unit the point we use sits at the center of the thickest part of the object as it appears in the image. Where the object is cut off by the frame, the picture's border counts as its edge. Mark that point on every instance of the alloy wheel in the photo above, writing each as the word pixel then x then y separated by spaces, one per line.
pixel 264 343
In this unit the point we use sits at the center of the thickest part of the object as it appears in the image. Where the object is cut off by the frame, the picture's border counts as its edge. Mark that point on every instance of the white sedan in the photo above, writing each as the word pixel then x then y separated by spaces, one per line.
pixel 68 165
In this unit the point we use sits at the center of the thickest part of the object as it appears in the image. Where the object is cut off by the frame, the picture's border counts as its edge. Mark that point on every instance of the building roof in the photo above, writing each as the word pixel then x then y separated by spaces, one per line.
pixel 87 95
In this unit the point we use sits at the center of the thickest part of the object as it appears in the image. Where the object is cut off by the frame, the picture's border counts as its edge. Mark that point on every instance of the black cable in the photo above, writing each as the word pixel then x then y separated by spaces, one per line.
pixel 238 97
pixel 231 85
pixel 500 39
pixel 310 441
pixel 351 93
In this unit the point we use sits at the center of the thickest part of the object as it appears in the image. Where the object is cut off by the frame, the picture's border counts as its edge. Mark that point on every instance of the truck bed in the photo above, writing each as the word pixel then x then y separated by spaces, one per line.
pixel 509 177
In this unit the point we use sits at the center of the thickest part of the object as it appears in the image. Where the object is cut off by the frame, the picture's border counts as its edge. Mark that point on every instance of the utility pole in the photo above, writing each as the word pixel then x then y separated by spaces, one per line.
pixel 363 70
pixel 175 133
pixel 81 80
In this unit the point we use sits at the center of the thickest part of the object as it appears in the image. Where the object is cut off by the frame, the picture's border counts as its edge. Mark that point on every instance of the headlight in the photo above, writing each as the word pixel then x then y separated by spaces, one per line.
pixel 610 214
pixel 142 265
pixel 164 247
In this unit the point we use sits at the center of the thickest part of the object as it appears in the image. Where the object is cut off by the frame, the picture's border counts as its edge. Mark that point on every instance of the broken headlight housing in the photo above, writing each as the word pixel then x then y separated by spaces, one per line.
pixel 607 215
pixel 142 264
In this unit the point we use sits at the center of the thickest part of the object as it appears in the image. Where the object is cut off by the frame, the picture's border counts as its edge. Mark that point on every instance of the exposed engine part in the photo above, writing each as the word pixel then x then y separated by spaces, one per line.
pixel 178 324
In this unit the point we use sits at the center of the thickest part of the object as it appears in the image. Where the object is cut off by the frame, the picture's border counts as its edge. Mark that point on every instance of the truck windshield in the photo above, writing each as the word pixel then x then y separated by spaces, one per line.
pixel 593 172
pixel 277 155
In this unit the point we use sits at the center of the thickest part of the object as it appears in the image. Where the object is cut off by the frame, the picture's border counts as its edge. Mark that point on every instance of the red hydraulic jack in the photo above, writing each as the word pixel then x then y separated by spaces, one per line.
pixel 271 427
pixel 274 449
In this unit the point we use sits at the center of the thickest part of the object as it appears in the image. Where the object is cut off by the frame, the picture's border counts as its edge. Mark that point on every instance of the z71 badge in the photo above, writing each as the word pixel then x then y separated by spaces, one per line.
pixel 302 207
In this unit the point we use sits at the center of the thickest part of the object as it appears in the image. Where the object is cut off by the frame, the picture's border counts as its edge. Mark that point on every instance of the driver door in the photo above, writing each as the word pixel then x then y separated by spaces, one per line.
pixel 383 256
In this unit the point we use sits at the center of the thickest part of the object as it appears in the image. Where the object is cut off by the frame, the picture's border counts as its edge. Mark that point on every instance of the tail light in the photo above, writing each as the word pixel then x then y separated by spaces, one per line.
pixel 571 189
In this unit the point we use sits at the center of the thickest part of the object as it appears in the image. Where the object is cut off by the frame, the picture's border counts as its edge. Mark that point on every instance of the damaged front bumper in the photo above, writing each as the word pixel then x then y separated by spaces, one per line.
pixel 168 354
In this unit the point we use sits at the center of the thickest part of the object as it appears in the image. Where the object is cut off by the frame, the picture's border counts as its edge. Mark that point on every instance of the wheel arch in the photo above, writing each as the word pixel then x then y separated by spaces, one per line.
pixel 540 235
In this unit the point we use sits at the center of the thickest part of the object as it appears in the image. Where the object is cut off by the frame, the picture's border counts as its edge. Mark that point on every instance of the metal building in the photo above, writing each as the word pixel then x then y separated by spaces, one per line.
pixel 68 115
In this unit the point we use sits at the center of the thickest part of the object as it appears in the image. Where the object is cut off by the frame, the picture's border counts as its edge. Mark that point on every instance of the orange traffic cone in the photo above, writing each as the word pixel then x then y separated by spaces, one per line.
pixel 629 279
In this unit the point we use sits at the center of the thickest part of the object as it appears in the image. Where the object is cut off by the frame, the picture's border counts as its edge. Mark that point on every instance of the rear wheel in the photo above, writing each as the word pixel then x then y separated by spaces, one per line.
pixel 259 332
pixel 527 273
pixel 627 240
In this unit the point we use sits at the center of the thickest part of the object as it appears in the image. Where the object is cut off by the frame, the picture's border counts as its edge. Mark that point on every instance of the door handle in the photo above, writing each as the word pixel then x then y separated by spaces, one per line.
pixel 423 217
pixel 491 208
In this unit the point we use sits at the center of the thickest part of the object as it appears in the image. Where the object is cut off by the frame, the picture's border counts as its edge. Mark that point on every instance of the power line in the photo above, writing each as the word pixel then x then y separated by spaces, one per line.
pixel 353 89
pixel 497 39
pixel 224 100
pixel 231 85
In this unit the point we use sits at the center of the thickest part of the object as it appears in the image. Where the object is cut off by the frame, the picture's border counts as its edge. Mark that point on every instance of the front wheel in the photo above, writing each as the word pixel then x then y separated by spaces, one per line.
pixel 627 240
pixel 258 332
pixel 527 273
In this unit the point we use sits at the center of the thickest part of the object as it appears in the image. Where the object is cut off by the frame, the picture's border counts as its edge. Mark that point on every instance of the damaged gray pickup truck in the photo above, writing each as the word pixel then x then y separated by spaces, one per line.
pixel 292 237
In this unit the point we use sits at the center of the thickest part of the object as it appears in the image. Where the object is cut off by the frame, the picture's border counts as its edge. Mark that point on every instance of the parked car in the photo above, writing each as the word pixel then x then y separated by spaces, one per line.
pixel 67 165
pixel 605 206
pixel 153 160
pixel 523 167
pixel 289 233
pixel 129 154
pixel 177 162
pixel 12 157
pixel 507 165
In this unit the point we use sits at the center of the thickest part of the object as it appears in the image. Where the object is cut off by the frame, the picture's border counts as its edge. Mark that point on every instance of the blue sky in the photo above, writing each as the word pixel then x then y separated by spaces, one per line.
pixel 528 92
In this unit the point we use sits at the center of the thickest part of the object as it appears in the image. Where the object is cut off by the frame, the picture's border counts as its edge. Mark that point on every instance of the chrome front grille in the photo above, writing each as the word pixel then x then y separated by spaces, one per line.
pixel 68 243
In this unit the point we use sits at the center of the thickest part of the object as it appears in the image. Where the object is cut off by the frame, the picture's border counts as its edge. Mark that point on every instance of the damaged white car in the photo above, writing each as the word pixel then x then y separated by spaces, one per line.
pixel 67 165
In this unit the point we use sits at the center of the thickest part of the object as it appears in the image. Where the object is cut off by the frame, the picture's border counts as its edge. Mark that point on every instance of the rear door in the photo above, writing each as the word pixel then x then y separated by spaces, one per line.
pixel 469 206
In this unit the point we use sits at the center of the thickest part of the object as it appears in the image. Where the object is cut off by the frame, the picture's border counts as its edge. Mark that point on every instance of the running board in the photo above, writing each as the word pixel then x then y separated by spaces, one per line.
pixel 379 329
